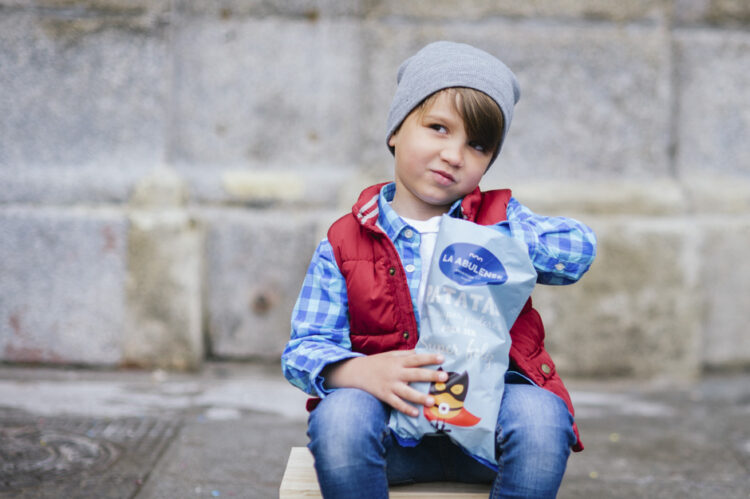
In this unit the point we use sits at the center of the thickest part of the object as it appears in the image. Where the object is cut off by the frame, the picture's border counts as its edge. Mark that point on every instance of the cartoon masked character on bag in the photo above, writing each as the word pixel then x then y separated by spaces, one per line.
pixel 449 403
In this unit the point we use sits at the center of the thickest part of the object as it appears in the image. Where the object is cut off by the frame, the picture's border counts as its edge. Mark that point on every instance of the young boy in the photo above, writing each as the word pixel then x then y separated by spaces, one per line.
pixel 356 321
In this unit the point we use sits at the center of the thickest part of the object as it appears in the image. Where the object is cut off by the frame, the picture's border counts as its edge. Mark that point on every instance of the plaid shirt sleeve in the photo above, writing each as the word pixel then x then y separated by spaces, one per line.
pixel 561 249
pixel 320 326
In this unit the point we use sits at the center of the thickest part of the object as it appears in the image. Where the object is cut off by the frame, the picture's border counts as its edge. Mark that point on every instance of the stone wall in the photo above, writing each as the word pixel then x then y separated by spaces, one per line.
pixel 168 166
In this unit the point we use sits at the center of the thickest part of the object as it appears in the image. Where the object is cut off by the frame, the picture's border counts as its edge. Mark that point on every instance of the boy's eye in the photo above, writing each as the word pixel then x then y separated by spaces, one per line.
pixel 479 147
pixel 437 127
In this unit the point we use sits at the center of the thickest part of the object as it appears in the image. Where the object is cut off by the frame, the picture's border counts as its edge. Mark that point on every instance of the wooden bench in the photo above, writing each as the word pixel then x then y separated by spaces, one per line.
pixel 300 481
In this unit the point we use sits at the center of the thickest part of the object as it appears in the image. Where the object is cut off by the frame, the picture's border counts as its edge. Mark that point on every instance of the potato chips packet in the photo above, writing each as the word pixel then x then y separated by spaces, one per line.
pixel 478 282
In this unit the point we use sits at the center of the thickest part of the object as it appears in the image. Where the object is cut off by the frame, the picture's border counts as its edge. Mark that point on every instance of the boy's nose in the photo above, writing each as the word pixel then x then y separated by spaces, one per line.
pixel 452 153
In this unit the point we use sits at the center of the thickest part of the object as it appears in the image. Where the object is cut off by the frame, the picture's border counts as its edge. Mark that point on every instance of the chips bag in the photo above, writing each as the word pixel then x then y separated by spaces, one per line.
pixel 478 282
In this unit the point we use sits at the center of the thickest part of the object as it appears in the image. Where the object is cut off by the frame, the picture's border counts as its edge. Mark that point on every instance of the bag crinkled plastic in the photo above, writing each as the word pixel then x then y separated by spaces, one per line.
pixel 478 282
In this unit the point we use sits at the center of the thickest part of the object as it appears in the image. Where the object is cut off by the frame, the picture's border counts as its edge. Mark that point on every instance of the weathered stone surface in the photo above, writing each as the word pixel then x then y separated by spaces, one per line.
pixel 611 10
pixel 256 264
pixel 311 10
pixel 634 116
pixel 96 7
pixel 69 185
pixel 717 194
pixel 713 119
pixel 161 188
pixel 255 106
pixel 80 91
pixel 165 276
pixel 716 12
pixel 596 10
pixel 725 290
pixel 73 19
pixel 577 116
pixel 300 186
pixel 636 312
pixel 62 298
pixel 657 197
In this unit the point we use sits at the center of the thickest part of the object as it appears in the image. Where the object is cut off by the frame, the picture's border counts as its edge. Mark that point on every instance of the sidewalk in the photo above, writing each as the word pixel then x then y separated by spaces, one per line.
pixel 227 431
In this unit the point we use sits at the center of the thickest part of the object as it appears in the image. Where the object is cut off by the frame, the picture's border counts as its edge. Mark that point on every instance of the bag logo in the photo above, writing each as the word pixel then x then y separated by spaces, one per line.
pixel 471 265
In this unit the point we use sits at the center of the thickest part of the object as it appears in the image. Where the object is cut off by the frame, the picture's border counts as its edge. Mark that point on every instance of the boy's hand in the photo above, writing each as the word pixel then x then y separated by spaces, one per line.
pixel 387 376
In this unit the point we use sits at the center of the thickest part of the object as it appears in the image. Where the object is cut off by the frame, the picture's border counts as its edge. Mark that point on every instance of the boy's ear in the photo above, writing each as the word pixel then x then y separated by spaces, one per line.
pixel 392 139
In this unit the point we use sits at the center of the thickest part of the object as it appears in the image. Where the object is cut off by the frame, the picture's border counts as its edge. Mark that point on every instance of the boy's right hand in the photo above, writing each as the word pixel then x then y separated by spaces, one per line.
pixel 387 376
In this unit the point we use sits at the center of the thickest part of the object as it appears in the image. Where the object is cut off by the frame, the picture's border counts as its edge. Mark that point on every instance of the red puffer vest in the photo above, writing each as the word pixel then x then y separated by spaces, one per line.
pixel 381 317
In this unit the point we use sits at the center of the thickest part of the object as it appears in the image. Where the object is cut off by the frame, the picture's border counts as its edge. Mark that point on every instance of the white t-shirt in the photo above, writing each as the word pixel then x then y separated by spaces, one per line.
pixel 428 230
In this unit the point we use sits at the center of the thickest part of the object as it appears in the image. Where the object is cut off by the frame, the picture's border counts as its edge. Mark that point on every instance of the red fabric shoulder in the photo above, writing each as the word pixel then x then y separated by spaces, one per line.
pixel 341 230
pixel 486 208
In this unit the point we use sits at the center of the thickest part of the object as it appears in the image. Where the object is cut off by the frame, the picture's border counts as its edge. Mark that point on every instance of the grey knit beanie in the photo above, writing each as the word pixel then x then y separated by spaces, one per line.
pixel 444 64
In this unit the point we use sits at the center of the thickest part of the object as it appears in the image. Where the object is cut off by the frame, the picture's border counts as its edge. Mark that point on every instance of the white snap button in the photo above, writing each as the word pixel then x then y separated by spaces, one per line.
pixel 408 233
pixel 410 268
pixel 560 266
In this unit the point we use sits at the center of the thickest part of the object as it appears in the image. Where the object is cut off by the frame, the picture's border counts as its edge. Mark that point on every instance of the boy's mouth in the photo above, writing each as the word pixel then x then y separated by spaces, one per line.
pixel 442 177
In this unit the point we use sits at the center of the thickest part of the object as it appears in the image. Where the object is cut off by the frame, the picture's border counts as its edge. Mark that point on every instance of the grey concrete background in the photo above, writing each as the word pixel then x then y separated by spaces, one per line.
pixel 169 165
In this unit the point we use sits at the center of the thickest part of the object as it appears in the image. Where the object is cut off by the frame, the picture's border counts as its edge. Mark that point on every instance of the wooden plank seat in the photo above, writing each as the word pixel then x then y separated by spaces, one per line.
pixel 299 481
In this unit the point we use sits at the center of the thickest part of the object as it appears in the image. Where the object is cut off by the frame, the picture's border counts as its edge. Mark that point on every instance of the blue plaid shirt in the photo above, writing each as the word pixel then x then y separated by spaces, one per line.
pixel 561 249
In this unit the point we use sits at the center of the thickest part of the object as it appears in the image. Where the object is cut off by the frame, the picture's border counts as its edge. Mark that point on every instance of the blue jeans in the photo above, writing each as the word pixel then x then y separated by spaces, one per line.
pixel 356 456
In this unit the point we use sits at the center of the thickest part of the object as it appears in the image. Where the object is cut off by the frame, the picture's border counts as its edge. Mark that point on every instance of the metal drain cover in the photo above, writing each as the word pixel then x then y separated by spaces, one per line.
pixel 75 457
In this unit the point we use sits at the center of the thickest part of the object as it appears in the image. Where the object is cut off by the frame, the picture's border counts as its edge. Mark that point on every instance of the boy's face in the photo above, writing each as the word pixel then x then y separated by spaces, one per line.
pixel 436 162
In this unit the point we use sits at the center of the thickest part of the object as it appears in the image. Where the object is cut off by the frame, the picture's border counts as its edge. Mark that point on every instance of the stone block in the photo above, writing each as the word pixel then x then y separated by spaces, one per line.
pixel 256 262
pixel 63 273
pixel 81 90
pixel 713 115
pixel 298 186
pixel 595 99
pixel 311 10
pixel 164 291
pixel 637 311
pixel 724 290
pixel 100 8
pixel 701 195
pixel 609 10
pixel 268 92
pixel 68 185
pixel 165 277
pixel 717 194
pixel 729 13
pixel 658 197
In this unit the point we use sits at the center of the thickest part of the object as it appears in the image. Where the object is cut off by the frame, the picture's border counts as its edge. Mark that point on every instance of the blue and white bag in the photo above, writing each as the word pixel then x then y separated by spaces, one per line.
pixel 479 280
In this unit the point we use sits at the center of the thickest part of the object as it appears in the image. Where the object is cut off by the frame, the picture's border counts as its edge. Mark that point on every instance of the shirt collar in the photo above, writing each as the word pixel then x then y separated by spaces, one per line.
pixel 388 219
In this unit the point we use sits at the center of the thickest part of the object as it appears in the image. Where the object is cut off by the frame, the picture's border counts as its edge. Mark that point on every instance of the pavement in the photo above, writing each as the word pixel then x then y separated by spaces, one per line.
pixel 227 430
